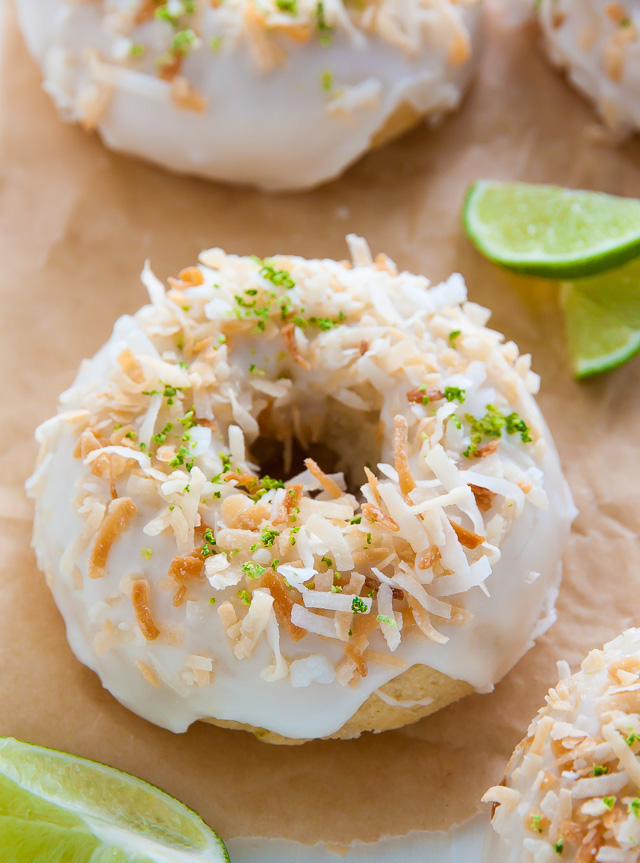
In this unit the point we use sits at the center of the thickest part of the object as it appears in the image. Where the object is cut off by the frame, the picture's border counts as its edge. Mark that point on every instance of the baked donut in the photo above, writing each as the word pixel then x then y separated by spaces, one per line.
pixel 280 94
pixel 596 42
pixel 572 789
pixel 306 498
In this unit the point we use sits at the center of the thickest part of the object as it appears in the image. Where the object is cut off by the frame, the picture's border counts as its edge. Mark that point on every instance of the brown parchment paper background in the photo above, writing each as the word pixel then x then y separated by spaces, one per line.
pixel 76 223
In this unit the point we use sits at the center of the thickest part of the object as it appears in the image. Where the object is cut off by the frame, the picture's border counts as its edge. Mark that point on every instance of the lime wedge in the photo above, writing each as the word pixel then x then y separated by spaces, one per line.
pixel 551 232
pixel 603 319
pixel 58 808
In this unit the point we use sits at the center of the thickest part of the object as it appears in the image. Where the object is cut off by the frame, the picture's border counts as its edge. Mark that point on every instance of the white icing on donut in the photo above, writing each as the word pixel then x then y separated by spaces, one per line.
pixel 596 41
pixel 572 787
pixel 378 336
pixel 285 123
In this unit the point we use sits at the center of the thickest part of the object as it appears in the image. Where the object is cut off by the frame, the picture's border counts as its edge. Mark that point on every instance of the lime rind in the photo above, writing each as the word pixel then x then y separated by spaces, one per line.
pixel 600 334
pixel 122 812
pixel 590 231
pixel 586 368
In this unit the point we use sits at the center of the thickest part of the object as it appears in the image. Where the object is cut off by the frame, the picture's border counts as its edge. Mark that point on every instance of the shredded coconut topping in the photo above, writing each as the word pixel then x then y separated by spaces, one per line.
pixel 388 528
pixel 572 788
pixel 151 43
pixel 268 26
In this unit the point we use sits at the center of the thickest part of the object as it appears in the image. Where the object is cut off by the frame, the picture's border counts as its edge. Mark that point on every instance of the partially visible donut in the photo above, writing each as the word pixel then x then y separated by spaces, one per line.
pixel 572 788
pixel 282 94
pixel 596 42
pixel 307 498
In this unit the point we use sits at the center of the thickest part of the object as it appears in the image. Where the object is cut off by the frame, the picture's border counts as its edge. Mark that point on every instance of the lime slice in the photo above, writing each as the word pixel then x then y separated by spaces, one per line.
pixel 58 808
pixel 551 232
pixel 603 319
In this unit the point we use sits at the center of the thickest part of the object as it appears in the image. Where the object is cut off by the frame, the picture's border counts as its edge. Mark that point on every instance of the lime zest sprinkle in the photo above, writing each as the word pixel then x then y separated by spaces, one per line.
pixel 253 569
pixel 358 606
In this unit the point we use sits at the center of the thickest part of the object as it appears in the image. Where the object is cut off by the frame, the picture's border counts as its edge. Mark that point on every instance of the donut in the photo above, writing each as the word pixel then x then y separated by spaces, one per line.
pixel 572 789
pixel 596 42
pixel 279 94
pixel 303 497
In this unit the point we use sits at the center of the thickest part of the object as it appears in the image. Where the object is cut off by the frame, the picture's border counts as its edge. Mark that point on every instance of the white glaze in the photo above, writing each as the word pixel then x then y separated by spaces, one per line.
pixel 480 652
pixel 274 129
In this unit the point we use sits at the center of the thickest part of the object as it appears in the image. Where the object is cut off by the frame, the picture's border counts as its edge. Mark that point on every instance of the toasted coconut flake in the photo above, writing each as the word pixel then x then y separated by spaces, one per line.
pixel 487 450
pixel 354 651
pixel 370 556
pixel 428 558
pixel 130 366
pixel 358 643
pixel 400 447
pixel 191 277
pixel 467 537
pixel 589 847
pixel 179 596
pixel 140 591
pixel 118 517
pixel 327 483
pixel 384 659
pixel 420 396
pixel 459 48
pixel 245 480
pixel 375 515
pixel 484 497
pixel 188 568
pixel 87 442
pixel 346 670
pixel 290 502
pixel 253 517
pixel 283 603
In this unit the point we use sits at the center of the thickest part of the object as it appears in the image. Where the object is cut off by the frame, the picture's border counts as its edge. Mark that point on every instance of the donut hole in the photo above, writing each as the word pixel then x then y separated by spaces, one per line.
pixel 338 438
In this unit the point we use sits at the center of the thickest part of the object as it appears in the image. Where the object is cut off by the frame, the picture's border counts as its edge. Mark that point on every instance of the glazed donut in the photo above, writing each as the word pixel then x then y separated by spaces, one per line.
pixel 302 497
pixel 572 789
pixel 596 42
pixel 280 94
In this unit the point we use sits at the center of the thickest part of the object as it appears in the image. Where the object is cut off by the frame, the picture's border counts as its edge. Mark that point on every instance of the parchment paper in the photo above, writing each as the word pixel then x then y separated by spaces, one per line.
pixel 76 223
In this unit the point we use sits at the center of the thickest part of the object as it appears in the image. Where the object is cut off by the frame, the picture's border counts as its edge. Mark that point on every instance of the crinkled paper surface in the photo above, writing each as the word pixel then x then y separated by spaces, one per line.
pixel 76 225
